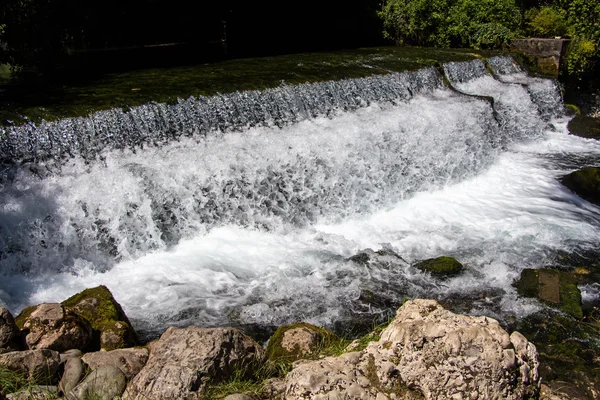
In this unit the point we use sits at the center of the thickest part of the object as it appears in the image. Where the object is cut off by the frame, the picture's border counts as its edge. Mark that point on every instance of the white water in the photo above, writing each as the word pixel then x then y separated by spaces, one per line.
pixel 282 210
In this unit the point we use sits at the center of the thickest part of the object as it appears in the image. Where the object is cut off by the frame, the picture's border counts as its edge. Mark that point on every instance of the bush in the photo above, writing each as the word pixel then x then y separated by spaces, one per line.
pixel 443 23
pixel 547 21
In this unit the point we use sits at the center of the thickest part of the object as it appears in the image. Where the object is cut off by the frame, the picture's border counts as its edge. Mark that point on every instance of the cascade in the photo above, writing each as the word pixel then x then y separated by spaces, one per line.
pixel 244 208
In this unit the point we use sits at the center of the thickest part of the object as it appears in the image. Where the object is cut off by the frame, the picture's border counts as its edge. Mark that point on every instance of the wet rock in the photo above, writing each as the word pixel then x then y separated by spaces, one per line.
pixel 184 359
pixel 104 383
pixel 585 183
pixel 426 352
pixel 129 361
pixel 52 327
pixel 35 393
pixel 72 375
pixel 384 258
pixel 555 287
pixel 9 331
pixel 584 126
pixel 293 342
pixel 112 329
pixel 440 266
pixel 38 365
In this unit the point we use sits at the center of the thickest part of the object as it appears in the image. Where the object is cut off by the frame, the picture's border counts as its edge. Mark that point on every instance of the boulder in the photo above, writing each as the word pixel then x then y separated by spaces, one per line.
pixel 129 361
pixel 52 327
pixel 238 396
pixel 184 359
pixel 38 365
pixel 557 288
pixel 35 393
pixel 112 329
pixel 72 375
pixel 9 332
pixel 296 341
pixel 105 383
pixel 440 266
pixel 73 353
pixel 426 352
pixel 585 183
pixel 586 127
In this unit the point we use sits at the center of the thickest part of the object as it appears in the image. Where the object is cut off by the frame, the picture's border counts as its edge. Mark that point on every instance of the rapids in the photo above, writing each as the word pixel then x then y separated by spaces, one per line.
pixel 243 209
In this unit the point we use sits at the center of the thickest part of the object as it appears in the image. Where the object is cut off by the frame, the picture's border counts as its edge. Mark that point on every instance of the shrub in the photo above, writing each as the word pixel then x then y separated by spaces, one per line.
pixel 547 21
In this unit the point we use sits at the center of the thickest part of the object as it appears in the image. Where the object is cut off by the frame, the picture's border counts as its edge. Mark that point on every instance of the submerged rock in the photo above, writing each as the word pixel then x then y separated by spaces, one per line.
pixel 440 266
pixel 293 342
pixel 555 287
pixel 586 127
pixel 112 329
pixel 39 366
pixel 183 360
pixel 426 352
pixel 51 326
pixel 585 183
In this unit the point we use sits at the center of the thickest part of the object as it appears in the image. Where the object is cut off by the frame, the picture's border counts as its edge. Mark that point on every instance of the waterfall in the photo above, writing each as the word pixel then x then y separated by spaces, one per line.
pixel 244 207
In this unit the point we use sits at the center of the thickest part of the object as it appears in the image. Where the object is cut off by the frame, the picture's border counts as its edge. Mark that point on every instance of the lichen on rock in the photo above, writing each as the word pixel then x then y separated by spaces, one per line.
pixel 292 342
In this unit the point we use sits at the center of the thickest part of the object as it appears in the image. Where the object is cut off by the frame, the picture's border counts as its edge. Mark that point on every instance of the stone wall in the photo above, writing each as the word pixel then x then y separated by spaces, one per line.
pixel 546 55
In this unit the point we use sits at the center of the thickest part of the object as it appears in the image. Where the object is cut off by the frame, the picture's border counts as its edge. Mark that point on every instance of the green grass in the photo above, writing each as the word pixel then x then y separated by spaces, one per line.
pixel 20 103
pixel 11 381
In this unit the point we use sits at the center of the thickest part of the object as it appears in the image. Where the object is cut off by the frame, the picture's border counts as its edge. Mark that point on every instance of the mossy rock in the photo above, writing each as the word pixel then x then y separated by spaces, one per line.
pixel 586 127
pixel 555 288
pixel 22 317
pixel 584 183
pixel 441 266
pixel 112 329
pixel 293 342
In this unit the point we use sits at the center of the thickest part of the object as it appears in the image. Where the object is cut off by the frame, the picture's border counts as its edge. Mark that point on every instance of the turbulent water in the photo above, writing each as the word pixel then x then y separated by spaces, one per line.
pixel 245 208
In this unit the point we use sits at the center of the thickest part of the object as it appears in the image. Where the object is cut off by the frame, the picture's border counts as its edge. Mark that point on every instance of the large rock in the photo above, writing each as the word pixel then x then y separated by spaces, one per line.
pixel 183 359
pixel 557 288
pixel 129 361
pixel 292 342
pixel 38 365
pixel 585 183
pixel 112 329
pixel 9 331
pixel 427 352
pixel 72 375
pixel 583 126
pixel 52 327
pixel 105 383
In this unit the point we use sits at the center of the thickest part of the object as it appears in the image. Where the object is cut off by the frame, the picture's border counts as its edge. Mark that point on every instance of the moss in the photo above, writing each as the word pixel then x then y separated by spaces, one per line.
pixel 68 98
pixel 528 285
pixel 275 352
pixel 22 317
pixel 441 266
pixel 586 127
pixel 98 306
pixel 570 295
pixel 572 108
pixel 585 183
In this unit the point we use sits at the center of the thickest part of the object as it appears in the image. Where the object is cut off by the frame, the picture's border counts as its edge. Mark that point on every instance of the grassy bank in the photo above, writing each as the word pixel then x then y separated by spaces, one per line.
pixel 70 97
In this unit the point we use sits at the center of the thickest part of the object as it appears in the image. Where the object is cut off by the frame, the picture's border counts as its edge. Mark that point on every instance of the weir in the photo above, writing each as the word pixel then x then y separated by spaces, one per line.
pixel 244 208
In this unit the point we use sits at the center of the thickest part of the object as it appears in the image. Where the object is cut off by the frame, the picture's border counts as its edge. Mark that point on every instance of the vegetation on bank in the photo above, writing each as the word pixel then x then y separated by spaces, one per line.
pixel 481 24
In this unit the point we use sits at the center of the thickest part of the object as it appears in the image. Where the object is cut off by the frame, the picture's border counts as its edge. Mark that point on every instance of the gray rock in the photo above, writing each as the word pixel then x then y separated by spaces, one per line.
pixel 74 372
pixel 426 352
pixel 129 361
pixel 183 359
pixel 50 326
pixel 8 330
pixel 35 393
pixel 73 353
pixel 39 365
pixel 103 383
pixel 238 396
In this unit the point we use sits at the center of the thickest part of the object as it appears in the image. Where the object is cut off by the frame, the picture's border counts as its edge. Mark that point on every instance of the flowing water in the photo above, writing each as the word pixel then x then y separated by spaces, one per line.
pixel 244 209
